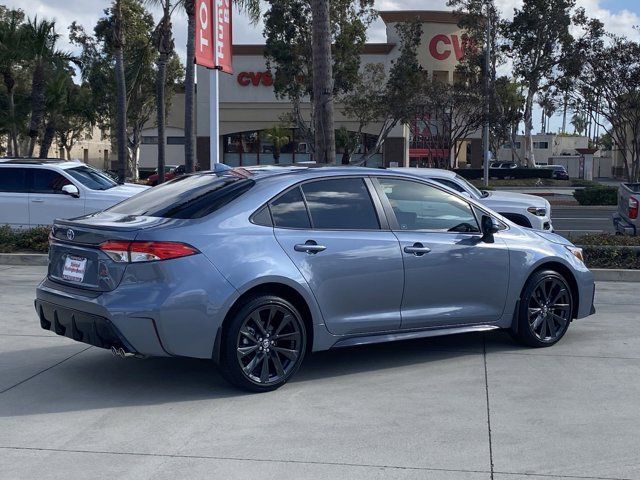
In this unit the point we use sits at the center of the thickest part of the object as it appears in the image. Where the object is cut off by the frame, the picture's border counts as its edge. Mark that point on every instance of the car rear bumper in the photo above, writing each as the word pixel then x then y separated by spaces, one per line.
pixel 622 226
pixel 84 320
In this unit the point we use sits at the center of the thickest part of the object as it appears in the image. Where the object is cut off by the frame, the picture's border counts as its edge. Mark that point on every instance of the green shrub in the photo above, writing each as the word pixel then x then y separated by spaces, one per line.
pixel 33 240
pixel 606 239
pixel 600 195
pixel 612 257
pixel 475 173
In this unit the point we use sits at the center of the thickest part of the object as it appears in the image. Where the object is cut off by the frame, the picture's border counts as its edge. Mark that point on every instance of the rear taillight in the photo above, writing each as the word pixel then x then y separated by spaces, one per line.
pixel 633 208
pixel 136 252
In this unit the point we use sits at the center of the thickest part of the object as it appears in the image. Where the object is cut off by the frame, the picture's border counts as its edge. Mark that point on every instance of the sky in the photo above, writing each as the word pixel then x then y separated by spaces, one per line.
pixel 619 16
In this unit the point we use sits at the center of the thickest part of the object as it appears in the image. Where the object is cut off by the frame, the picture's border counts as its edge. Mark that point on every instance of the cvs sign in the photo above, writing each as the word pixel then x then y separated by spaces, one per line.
pixel 256 79
pixel 441 47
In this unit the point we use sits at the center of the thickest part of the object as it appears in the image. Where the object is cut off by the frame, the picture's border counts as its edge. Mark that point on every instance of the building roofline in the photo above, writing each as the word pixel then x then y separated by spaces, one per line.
pixel 430 16
pixel 258 49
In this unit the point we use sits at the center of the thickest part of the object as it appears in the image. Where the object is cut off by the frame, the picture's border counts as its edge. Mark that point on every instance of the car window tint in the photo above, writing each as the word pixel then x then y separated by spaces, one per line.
pixel 48 181
pixel 448 183
pixel 262 217
pixel 191 196
pixel 91 178
pixel 13 180
pixel 289 210
pixel 340 204
pixel 422 207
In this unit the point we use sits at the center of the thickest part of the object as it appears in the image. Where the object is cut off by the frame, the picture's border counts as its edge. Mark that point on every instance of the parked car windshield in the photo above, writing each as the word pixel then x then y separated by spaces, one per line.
pixel 91 178
pixel 471 187
pixel 191 196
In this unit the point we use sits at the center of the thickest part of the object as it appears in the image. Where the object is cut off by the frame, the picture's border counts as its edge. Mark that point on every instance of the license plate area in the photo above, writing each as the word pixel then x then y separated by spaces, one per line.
pixel 74 268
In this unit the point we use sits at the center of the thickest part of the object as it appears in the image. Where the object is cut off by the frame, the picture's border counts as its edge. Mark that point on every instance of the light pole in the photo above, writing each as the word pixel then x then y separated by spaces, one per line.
pixel 485 132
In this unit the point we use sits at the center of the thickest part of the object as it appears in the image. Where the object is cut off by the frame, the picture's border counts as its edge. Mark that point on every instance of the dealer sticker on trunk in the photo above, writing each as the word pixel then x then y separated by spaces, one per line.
pixel 74 268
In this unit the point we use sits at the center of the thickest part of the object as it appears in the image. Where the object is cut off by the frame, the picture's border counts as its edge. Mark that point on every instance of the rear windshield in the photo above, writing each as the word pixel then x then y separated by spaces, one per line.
pixel 191 196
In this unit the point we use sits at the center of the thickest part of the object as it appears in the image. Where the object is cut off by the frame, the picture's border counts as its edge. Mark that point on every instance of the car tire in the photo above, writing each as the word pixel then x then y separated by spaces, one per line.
pixel 545 310
pixel 263 344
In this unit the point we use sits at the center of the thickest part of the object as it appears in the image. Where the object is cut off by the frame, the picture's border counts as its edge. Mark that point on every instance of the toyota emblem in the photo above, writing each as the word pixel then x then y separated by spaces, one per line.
pixel 71 234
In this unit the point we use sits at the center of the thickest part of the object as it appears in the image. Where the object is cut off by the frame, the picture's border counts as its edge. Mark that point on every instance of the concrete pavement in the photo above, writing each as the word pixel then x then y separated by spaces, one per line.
pixel 463 407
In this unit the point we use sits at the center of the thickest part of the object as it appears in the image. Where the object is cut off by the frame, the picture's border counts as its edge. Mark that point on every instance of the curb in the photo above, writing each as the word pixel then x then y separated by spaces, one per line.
pixel 25 259
pixel 604 275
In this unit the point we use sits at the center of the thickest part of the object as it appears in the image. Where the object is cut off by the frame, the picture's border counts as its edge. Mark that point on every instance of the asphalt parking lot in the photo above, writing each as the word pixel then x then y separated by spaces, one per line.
pixel 464 407
pixel 577 221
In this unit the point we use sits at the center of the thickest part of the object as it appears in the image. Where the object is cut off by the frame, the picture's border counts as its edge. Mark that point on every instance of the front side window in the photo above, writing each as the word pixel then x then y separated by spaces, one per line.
pixel 422 207
pixel 13 180
pixel 48 181
pixel 340 204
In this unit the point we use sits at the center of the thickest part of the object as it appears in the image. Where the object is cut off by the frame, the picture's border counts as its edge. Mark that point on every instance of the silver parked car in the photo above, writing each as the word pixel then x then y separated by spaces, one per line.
pixel 255 269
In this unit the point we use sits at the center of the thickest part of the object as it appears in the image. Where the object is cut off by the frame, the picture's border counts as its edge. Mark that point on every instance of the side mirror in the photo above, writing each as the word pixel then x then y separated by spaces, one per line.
pixel 71 190
pixel 490 226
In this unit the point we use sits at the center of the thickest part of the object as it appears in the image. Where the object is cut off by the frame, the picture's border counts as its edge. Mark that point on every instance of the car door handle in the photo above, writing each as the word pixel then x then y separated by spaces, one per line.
pixel 417 249
pixel 310 247
pixel 37 200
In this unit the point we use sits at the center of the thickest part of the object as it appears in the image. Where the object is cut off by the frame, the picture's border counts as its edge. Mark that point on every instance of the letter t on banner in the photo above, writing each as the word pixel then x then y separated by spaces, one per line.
pixel 213 50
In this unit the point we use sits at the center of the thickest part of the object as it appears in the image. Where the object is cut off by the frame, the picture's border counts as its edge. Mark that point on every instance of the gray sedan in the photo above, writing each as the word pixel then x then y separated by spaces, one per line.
pixel 254 269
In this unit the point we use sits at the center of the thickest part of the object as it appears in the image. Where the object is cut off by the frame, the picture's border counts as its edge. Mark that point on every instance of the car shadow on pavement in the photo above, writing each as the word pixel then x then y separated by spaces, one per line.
pixel 95 379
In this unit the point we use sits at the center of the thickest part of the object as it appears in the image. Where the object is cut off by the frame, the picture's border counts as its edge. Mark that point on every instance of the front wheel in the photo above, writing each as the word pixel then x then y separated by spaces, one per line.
pixel 264 344
pixel 546 309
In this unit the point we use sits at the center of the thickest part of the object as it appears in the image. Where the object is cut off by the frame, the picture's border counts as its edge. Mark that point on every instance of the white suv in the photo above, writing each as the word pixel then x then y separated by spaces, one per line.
pixel 524 210
pixel 35 192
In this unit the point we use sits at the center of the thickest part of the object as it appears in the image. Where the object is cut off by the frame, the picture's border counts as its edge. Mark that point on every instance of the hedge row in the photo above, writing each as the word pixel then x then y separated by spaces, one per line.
pixel 612 257
pixel 600 195
pixel 476 173
pixel 34 240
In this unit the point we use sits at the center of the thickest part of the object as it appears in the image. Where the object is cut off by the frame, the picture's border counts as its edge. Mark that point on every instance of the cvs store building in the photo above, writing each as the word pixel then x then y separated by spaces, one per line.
pixel 248 106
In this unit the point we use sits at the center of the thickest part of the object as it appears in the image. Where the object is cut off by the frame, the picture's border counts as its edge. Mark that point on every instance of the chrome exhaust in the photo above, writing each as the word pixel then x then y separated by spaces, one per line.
pixel 120 352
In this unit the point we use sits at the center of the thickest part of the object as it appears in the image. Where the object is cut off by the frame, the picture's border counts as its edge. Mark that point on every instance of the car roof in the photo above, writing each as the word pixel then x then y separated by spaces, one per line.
pixel 57 162
pixel 426 172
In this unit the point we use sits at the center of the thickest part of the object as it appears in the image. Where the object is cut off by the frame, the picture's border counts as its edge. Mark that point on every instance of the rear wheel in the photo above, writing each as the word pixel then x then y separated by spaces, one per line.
pixel 264 344
pixel 546 309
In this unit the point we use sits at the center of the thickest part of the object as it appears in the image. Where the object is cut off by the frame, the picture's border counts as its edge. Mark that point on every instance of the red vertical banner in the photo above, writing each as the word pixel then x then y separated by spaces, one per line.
pixel 223 36
pixel 205 29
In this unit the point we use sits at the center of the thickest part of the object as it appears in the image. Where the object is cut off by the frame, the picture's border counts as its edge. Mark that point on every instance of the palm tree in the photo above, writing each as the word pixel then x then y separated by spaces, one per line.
pixel 121 89
pixel 579 123
pixel 42 38
pixel 163 36
pixel 57 94
pixel 11 53
pixel 279 137
pixel 325 142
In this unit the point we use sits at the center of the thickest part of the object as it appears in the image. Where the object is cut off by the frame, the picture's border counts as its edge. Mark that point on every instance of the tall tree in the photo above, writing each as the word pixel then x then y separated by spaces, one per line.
pixel 392 101
pixel 163 37
pixel 611 75
pixel 118 42
pixel 509 105
pixel 325 139
pixel 42 39
pixel 538 39
pixel 288 51
pixel 12 43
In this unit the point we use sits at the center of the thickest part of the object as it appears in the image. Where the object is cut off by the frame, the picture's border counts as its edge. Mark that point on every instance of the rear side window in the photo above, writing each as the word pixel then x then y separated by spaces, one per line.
pixel 13 180
pixel 289 210
pixel 448 183
pixel 193 196
pixel 48 181
pixel 340 204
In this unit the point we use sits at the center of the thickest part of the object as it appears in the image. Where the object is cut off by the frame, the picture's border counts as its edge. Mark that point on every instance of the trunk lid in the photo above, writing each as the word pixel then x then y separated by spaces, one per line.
pixel 75 257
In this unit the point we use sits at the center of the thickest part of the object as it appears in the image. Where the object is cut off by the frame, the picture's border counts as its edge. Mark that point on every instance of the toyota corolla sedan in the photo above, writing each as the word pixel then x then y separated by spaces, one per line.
pixel 256 269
